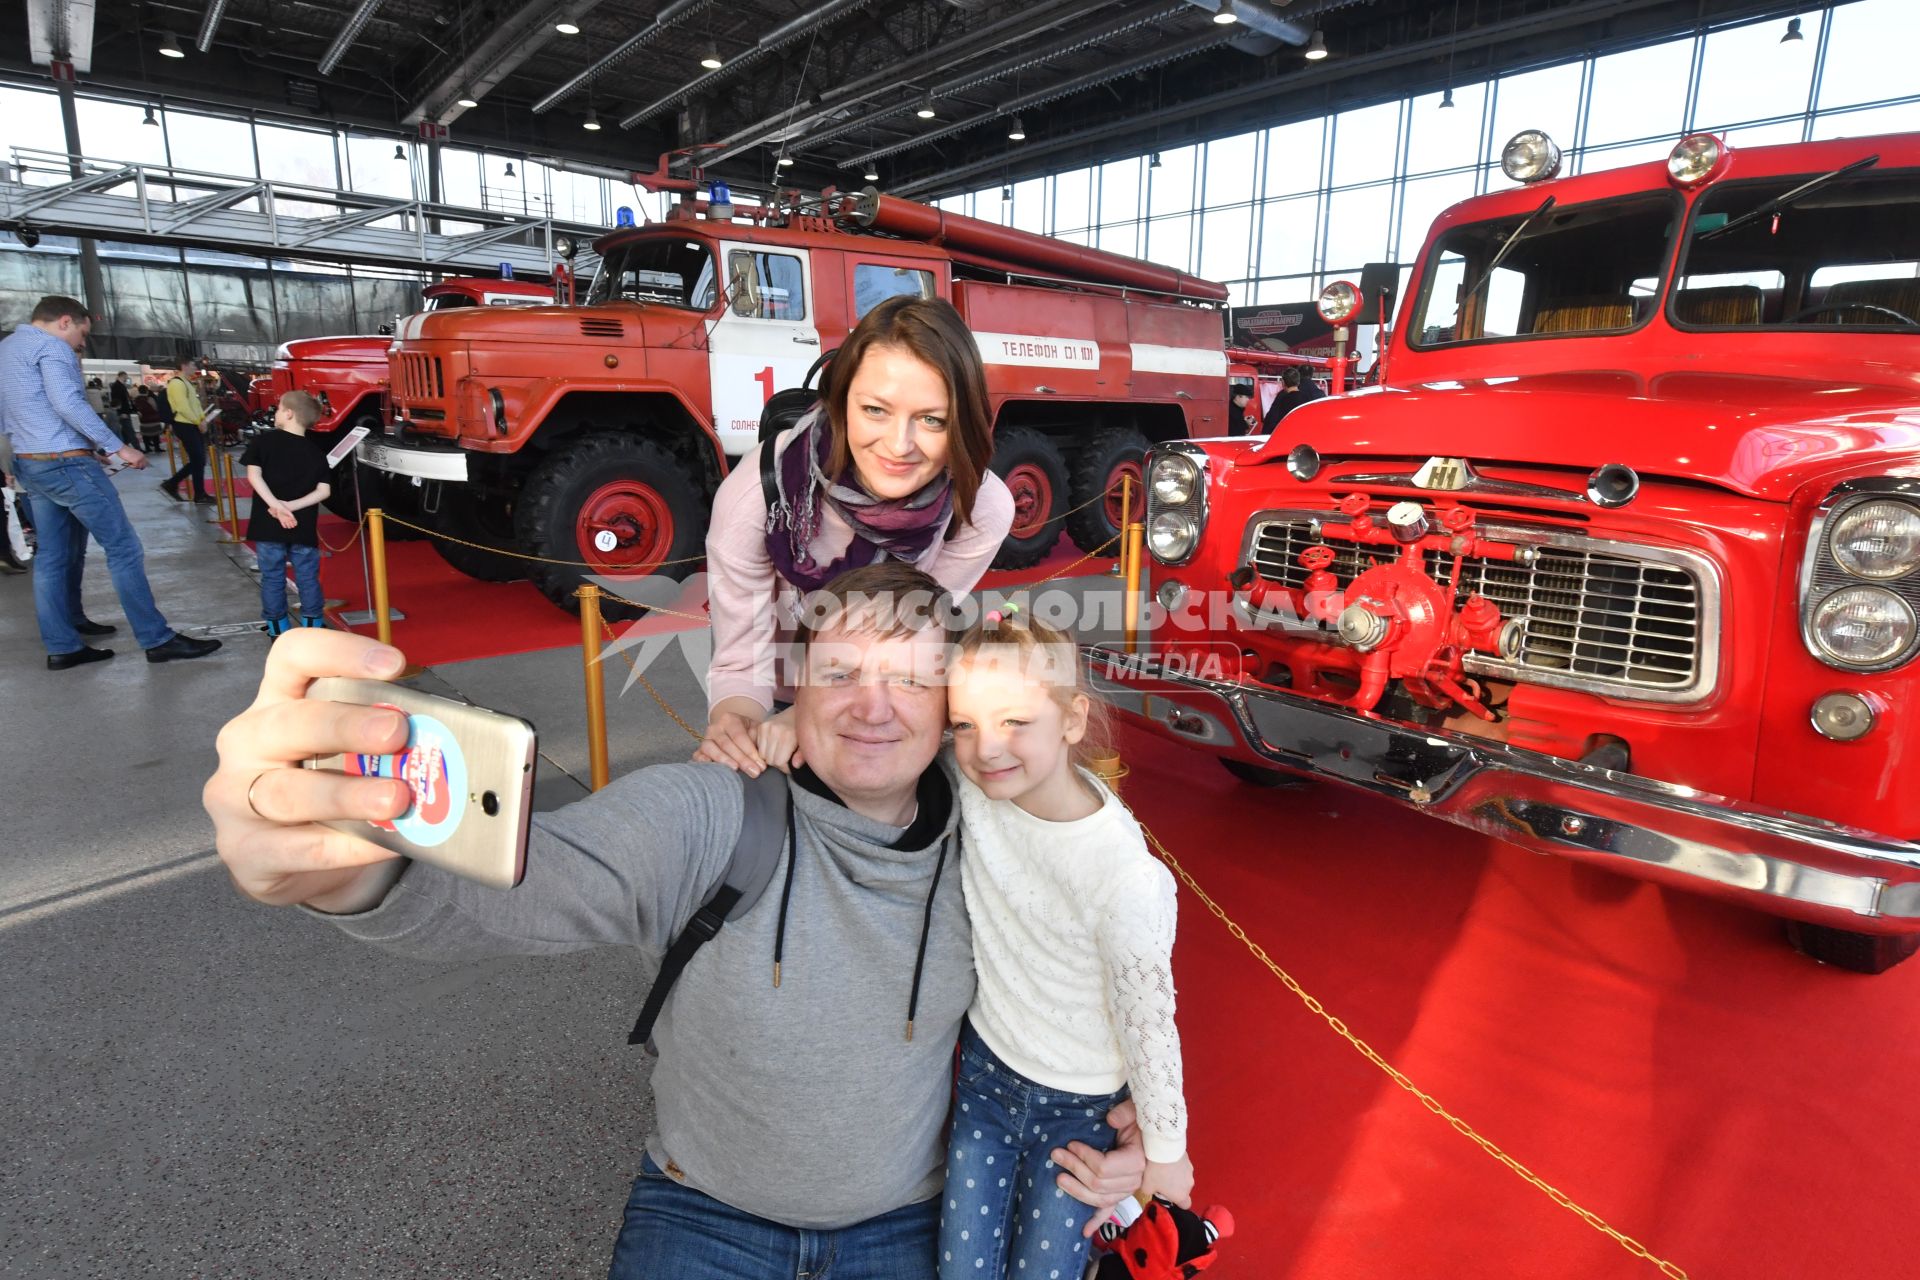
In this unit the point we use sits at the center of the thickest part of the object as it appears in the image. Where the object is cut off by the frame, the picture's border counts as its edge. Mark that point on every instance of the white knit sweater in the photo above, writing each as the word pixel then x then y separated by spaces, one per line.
pixel 1073 946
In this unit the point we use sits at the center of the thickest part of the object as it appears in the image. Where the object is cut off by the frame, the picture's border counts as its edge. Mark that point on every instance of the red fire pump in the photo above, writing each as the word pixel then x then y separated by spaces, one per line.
pixel 1395 613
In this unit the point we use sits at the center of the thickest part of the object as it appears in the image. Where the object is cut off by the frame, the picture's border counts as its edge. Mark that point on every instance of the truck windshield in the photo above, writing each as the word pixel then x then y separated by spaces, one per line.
pixel 448 301
pixel 1846 254
pixel 676 272
pixel 1583 268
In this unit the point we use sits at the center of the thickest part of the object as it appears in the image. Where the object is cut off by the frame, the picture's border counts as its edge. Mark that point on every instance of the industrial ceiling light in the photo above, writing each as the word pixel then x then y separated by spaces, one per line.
pixel 925 110
pixel 1155 162
pixel 1446 100
pixel 170 47
pixel 1317 46
pixel 151 118
pixel 510 172
pixel 1226 17
pixel 784 162
pixel 399 152
pixel 1017 131
pixel 1793 35
pixel 466 98
pixel 710 57
pixel 1006 195
pixel 592 123
pixel 567 27
pixel 873 173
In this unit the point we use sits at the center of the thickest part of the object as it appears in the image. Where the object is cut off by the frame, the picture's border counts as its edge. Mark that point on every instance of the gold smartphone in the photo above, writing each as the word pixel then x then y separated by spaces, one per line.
pixel 471 773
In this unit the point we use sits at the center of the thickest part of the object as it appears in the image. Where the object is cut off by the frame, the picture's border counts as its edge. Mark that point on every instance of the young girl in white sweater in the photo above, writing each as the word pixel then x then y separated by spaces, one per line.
pixel 1072 937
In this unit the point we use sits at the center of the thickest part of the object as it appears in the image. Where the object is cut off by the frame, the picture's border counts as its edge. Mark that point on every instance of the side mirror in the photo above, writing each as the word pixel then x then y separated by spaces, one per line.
pixel 742 305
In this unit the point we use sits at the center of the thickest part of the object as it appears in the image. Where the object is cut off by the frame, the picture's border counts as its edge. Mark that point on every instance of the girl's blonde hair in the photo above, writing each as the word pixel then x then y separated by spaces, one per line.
pixel 1047 655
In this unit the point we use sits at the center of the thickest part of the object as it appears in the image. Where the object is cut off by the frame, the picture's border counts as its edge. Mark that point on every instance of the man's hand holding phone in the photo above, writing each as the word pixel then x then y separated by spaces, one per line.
pixel 268 810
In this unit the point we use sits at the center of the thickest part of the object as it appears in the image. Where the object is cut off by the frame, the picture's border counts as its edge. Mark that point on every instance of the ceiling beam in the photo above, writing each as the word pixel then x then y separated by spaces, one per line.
pixel 667 17
pixel 356 23
pixel 513 41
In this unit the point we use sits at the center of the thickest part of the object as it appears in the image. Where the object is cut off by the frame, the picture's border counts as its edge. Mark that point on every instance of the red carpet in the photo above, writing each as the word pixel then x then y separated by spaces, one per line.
pixel 1668 1063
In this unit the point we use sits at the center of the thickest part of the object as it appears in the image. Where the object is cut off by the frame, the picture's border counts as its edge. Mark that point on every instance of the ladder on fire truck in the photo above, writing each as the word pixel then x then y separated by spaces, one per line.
pixel 164 204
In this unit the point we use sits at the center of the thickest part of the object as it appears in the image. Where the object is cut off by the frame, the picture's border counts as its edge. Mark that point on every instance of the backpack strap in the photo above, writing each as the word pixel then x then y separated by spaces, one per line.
pixel 769 487
pixel 756 855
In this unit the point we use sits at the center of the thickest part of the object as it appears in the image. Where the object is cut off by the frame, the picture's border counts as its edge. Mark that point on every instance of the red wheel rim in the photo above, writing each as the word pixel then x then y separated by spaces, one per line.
pixel 1032 500
pixel 624 527
pixel 1130 467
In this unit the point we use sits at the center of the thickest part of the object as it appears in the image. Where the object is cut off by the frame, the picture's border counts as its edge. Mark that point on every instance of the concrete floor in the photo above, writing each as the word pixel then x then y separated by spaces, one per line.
pixel 203 1087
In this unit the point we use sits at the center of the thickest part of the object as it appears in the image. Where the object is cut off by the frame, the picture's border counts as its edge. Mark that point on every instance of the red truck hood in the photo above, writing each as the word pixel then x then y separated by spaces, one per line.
pixel 365 348
pixel 1755 435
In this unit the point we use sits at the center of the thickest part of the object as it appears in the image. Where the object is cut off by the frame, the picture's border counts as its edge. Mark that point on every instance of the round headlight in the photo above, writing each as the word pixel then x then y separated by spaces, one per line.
pixel 1173 479
pixel 1878 540
pixel 1693 157
pixel 1863 626
pixel 1338 302
pixel 564 247
pixel 1530 156
pixel 1171 535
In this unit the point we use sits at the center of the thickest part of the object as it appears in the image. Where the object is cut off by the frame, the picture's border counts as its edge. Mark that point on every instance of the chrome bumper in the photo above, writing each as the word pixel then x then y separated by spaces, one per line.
pixel 448 463
pixel 1777 862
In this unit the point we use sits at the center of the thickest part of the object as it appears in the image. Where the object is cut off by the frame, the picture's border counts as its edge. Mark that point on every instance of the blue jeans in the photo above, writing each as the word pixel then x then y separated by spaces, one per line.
pixel 273 557
pixel 72 497
pixel 673 1232
pixel 1002 1212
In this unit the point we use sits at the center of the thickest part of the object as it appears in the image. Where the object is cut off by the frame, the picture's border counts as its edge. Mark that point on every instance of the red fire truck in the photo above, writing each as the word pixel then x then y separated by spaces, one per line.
pixel 1621 562
pixel 599 434
pixel 349 373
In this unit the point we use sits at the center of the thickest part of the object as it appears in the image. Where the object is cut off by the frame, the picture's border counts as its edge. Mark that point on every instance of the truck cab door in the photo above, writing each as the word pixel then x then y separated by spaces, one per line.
pixel 766 337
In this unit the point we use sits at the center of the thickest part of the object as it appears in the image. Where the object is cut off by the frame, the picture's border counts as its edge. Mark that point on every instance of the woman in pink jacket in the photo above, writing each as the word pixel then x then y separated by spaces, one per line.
pixel 893 464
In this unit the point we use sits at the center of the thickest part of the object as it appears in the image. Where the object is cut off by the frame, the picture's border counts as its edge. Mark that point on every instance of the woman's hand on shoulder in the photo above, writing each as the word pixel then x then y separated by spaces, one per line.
pixel 732 736
pixel 779 744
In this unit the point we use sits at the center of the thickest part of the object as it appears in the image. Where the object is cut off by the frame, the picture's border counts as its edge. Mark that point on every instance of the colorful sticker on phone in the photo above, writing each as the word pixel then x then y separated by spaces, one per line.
pixel 434 769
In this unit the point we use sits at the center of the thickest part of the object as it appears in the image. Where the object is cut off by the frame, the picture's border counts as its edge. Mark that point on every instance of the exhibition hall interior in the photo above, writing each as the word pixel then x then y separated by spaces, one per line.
pixel 679 638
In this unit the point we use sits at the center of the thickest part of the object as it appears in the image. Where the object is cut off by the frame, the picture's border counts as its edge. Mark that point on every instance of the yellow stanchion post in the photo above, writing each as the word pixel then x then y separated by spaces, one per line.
pixel 1131 535
pixel 223 479
pixel 377 548
pixel 589 597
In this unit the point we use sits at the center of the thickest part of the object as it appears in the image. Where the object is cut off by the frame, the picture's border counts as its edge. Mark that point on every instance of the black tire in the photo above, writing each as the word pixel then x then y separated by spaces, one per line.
pixel 1255 775
pixel 548 514
pixel 472 517
pixel 1032 467
pixel 1854 952
pixel 1095 467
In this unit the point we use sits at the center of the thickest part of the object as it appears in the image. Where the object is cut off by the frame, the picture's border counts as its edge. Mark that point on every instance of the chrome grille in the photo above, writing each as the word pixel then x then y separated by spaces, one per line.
pixel 1604 616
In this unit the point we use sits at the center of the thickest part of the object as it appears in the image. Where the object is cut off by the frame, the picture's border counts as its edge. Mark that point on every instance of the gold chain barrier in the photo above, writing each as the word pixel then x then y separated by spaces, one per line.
pixel 1426 1100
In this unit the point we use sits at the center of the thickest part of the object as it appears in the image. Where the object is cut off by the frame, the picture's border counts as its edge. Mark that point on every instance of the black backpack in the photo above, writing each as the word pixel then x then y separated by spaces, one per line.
pixel 765 825
pixel 164 403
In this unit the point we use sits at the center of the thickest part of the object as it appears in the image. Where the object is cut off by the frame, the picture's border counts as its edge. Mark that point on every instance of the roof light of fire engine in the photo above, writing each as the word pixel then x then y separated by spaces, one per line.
pixel 1694 157
pixel 1338 303
pixel 1173 479
pixel 1171 536
pixel 1863 627
pixel 564 246
pixel 1530 156
pixel 1878 540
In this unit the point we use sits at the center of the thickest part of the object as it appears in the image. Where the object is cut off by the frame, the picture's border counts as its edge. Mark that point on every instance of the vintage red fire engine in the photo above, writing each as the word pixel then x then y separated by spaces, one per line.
pixel 597 435
pixel 1621 561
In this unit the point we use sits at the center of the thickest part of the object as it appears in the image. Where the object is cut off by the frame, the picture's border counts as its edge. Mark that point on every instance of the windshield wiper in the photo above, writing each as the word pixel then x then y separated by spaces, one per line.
pixel 1507 247
pixel 1781 201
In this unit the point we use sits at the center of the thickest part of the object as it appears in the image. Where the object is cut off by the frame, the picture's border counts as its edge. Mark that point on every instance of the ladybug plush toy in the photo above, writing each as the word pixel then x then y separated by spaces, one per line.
pixel 1165 1242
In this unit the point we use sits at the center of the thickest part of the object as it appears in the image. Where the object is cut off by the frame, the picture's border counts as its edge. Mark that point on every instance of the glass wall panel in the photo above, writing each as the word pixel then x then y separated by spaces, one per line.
pixel 31 120
pixel 1170 240
pixel 1358 223
pixel 1425 200
pixel 1870 54
pixel 1763 135
pixel 114 131
pixel 1170 187
pixel 1120 190
pixel 1904 118
pixel 1293 157
pixel 1123 237
pixel 1366 144
pixel 1225 242
pixel 210 144
pixel 1030 205
pixel 1746 73
pixel 372 170
pixel 1640 94
pixel 1072 200
pixel 1445 137
pixel 1287 234
pixel 1231 165
pixel 1548 100
pixel 460 177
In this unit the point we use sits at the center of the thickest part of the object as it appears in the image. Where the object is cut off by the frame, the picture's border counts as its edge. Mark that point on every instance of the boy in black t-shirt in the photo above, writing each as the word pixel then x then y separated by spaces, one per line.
pixel 288 473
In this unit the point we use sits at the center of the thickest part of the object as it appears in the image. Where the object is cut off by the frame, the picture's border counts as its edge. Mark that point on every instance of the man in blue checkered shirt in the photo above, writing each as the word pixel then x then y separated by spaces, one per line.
pixel 61 449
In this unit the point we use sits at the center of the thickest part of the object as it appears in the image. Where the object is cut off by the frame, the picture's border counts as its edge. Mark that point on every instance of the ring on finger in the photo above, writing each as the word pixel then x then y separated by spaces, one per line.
pixel 250 804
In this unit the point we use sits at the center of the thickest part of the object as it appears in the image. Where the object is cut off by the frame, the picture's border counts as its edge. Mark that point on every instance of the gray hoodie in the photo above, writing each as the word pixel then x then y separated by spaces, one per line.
pixel 806 1103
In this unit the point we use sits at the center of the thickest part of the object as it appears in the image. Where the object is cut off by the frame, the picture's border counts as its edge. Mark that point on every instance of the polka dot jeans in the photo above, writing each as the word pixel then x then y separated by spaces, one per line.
pixel 1002 1213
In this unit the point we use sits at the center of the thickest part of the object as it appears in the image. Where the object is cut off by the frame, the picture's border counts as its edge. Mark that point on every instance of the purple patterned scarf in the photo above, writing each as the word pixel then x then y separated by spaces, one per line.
pixel 899 527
